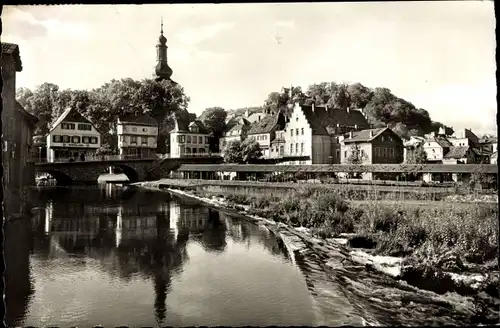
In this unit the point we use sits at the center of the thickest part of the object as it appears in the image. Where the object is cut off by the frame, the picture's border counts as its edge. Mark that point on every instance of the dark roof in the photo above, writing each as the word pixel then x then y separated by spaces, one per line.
pixel 457 152
pixel 437 168
pixel 364 135
pixel 138 119
pixel 13 50
pixel 265 125
pixel 323 120
pixel 70 115
pixel 183 126
pixel 31 118
pixel 442 141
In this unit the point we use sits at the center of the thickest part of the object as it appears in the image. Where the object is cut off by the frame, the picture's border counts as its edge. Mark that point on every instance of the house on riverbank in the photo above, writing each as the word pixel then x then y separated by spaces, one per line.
pixel 137 135
pixel 372 146
pixel 72 136
pixel 189 139
pixel 17 135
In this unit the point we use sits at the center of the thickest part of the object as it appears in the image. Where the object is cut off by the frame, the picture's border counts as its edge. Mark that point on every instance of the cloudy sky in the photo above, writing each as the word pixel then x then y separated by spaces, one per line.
pixel 438 55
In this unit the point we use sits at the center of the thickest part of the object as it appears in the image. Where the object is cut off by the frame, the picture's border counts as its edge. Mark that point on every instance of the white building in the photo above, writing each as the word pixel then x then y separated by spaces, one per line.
pixel 72 136
pixel 189 139
pixel 137 135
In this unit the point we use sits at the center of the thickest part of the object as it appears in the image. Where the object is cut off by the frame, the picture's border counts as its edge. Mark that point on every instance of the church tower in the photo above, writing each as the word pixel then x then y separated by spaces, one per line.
pixel 162 70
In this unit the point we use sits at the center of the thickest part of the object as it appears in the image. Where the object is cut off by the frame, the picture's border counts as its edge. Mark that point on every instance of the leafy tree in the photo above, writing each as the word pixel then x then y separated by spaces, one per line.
pixel 277 101
pixel 40 103
pixel 416 155
pixel 251 151
pixel 247 151
pixel 214 119
pixel 356 156
pixel 106 149
pixel 232 153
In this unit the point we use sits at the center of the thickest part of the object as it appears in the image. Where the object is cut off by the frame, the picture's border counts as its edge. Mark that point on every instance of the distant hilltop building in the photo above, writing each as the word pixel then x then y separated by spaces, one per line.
pixel 162 71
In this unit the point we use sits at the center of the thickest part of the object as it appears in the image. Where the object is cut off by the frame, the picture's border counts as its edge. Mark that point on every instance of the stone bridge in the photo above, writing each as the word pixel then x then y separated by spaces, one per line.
pixel 135 169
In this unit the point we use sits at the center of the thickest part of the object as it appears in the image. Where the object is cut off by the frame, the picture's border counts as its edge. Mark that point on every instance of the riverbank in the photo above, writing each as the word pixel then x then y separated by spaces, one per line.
pixel 441 248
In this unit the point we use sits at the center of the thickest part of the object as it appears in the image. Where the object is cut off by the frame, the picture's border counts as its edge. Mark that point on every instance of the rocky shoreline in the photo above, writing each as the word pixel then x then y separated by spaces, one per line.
pixel 335 254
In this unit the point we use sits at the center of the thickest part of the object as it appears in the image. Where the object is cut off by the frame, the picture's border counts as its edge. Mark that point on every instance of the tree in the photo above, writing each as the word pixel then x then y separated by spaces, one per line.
pixel 416 155
pixel 214 119
pixel 251 151
pixel 105 149
pixel 232 153
pixel 356 156
pixel 238 152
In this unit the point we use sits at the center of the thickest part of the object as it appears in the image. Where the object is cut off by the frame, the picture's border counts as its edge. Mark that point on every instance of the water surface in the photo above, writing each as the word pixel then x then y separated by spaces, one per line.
pixel 104 256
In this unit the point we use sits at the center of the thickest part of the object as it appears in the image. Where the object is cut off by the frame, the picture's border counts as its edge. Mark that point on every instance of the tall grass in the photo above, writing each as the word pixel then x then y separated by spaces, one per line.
pixel 470 231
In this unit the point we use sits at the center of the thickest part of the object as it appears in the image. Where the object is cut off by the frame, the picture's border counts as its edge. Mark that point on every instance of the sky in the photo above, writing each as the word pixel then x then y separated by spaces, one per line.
pixel 438 55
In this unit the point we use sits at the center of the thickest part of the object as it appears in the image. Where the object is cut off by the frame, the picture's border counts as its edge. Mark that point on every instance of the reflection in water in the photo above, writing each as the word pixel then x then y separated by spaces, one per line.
pixel 193 259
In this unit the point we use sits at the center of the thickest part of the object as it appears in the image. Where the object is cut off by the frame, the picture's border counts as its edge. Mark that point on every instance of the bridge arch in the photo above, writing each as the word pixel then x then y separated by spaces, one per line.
pixel 62 179
pixel 130 172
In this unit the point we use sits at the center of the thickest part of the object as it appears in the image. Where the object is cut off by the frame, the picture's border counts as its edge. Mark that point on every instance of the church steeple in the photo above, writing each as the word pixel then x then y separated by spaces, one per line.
pixel 162 70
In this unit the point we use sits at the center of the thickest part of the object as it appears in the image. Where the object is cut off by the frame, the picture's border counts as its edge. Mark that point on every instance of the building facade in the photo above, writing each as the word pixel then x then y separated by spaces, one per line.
pixel 264 131
pixel 436 146
pixel 17 135
pixel 238 132
pixel 137 136
pixel 72 137
pixel 189 139
pixel 372 146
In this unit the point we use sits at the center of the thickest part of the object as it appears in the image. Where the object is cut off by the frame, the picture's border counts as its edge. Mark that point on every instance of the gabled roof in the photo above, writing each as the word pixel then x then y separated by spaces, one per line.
pixel 13 50
pixel 265 125
pixel 70 115
pixel 457 152
pixel 183 126
pixel 364 135
pixel 323 120
pixel 137 120
pixel 440 140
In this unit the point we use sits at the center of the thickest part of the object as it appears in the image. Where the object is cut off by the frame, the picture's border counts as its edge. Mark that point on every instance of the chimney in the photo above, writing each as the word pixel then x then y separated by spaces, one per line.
pixel 371 133
pixel 350 135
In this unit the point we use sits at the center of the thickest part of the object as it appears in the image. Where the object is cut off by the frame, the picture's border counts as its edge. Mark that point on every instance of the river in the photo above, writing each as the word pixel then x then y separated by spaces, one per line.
pixel 101 256
pixel 107 256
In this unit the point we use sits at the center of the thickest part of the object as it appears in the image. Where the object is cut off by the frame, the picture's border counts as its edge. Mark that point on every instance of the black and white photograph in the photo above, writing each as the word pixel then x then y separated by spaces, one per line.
pixel 250 164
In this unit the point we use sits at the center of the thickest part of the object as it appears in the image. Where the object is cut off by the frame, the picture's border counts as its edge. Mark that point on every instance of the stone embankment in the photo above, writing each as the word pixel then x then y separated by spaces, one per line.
pixel 351 281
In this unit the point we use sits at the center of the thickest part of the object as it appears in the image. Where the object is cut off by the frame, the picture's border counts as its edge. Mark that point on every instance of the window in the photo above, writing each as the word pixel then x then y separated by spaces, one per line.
pixel 188 150
pixel 144 129
pixel 66 139
pixel 297 148
pixel 85 127
pixel 201 150
pixel 291 149
pixel 56 138
pixel 296 118
pixel 144 140
pixel 67 126
pixel 133 140
pixel 302 131
pixel 297 131
pixel 345 153
pixel 200 140
pixel 194 140
pixel 86 140
pixel 383 138
pixel 391 152
pixel 302 147
pixel 75 139
pixel 94 140
pixel 385 152
pixel 134 129
pixel 188 139
pixel 180 139
pixel 291 132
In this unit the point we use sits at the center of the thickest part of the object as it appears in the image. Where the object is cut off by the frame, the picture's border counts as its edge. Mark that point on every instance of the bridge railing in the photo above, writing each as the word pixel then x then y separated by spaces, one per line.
pixel 100 158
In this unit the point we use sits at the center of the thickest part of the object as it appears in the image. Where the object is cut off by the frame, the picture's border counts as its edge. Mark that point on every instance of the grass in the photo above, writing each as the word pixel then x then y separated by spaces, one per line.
pixel 428 233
